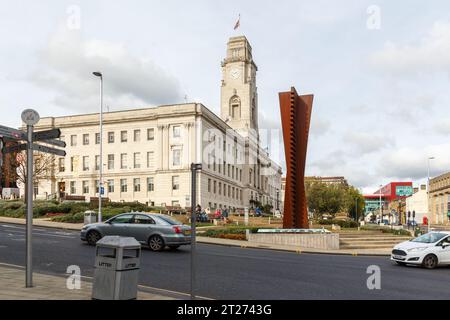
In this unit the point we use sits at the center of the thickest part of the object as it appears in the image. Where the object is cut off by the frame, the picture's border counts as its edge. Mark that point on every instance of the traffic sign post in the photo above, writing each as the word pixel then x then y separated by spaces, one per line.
pixel 30 118
pixel 194 168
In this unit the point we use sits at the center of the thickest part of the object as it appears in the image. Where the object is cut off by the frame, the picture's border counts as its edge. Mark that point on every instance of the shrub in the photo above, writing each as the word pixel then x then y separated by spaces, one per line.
pixel 341 223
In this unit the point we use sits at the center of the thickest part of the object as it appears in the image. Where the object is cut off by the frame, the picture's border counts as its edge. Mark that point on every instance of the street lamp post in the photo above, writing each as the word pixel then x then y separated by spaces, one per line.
pixel 381 207
pixel 428 191
pixel 100 182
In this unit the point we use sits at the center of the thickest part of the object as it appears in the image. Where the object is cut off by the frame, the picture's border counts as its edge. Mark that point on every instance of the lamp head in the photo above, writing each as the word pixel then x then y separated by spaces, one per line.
pixel 97 74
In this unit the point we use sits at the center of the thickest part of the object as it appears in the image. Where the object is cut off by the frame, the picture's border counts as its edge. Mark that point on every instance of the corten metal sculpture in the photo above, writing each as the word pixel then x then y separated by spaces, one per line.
pixel 295 119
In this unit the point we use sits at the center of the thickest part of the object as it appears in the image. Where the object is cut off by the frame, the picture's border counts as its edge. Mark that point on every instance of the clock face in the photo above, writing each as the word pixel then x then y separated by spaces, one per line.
pixel 235 73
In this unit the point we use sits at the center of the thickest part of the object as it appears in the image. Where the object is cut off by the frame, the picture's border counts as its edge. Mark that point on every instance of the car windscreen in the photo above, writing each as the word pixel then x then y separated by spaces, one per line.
pixel 430 237
pixel 167 220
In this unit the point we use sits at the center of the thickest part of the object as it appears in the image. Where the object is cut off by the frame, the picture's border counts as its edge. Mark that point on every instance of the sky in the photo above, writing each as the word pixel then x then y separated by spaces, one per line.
pixel 379 70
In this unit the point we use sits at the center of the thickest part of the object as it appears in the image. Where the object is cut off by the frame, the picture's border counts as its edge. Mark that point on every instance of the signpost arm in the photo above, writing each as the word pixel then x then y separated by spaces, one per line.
pixel 29 196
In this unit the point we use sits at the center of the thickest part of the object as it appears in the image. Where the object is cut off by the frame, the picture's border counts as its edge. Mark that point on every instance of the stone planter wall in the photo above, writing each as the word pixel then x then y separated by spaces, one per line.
pixel 325 241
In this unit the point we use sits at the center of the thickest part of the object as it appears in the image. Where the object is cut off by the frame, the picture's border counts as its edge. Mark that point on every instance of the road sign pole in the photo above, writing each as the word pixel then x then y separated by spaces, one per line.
pixel 29 196
pixel 193 227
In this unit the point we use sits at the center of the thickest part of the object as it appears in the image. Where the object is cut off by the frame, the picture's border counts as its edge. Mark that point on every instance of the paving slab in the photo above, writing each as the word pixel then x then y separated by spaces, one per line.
pixel 49 287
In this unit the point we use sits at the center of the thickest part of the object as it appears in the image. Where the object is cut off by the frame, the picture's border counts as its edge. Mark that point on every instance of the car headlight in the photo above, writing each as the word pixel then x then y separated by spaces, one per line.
pixel 84 228
pixel 416 249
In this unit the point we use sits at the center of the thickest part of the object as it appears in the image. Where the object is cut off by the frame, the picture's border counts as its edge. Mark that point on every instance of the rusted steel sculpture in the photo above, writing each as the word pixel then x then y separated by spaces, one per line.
pixel 295 119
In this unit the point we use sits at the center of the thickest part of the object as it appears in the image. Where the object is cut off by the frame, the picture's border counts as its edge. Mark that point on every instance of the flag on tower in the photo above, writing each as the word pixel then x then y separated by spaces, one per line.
pixel 238 23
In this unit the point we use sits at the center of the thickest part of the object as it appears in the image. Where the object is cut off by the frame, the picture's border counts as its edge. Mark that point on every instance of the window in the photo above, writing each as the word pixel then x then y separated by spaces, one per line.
pixel 123 161
pixel 97 162
pixel 85 163
pixel 175 183
pixel 137 160
pixel 110 186
pixel 73 140
pixel 176 157
pixel 151 134
pixel 150 184
pixel 126 218
pixel 150 159
pixel 176 131
pixel 110 161
pixel 97 138
pixel 137 184
pixel 137 135
pixel 141 219
pixel 72 164
pixel 175 203
pixel 123 185
pixel 85 186
pixel 96 183
pixel 220 188
pixel 73 189
pixel 214 188
pixel 123 136
pixel 85 139
pixel 209 185
pixel 110 137
pixel 61 166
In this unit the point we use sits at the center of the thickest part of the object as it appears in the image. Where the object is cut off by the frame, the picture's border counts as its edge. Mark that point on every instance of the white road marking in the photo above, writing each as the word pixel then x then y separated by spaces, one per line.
pixel 74 236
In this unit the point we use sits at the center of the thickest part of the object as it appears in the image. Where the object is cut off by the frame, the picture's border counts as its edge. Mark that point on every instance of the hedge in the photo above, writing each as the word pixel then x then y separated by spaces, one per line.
pixel 341 223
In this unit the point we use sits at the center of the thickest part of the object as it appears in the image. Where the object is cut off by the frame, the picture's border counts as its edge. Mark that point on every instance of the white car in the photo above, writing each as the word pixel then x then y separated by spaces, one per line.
pixel 429 250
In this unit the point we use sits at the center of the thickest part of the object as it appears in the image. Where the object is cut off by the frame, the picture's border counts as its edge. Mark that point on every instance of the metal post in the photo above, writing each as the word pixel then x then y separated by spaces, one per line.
pixel 428 194
pixel 381 208
pixel 193 227
pixel 29 196
pixel 100 182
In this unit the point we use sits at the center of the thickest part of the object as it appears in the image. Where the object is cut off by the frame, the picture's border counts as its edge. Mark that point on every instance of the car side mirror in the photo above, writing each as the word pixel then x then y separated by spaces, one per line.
pixel 445 245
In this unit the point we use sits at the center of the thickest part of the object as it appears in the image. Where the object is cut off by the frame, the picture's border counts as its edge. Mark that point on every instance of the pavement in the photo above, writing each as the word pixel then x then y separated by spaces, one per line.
pixel 230 272
pixel 48 287
pixel 217 241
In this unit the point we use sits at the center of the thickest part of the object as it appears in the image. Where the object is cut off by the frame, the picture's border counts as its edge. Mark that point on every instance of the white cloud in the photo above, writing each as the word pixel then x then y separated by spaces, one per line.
pixel 66 67
pixel 319 126
pixel 411 162
pixel 429 54
pixel 367 142
pixel 443 126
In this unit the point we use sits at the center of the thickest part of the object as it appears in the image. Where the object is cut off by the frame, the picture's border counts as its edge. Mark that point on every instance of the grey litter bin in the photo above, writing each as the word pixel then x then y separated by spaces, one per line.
pixel 117 263
pixel 90 217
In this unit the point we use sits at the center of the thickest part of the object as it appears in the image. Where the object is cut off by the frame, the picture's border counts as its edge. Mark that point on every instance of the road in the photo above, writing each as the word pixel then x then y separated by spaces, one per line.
pixel 237 273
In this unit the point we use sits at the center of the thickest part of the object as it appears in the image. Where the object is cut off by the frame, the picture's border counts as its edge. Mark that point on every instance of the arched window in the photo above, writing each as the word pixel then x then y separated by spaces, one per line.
pixel 235 108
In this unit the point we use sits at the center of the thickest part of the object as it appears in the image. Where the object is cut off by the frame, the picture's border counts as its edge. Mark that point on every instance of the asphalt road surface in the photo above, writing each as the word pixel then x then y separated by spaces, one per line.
pixel 237 273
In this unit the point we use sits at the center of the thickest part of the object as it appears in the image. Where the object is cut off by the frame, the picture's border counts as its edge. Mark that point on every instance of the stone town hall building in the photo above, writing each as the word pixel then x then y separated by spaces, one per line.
pixel 147 152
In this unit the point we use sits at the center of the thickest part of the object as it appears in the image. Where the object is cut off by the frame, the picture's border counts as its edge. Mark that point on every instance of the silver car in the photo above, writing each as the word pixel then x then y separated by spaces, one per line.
pixel 155 230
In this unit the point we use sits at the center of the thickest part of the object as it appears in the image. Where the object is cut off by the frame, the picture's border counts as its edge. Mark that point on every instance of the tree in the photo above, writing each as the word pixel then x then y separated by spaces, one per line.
pixel 43 167
pixel 331 199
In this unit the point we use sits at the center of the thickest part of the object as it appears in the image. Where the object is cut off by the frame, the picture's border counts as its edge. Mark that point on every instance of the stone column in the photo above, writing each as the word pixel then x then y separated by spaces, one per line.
pixel 166 148
pixel 159 149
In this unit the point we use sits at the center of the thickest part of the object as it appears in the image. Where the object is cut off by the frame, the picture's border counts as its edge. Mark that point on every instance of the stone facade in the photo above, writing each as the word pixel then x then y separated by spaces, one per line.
pixel 147 152
pixel 439 199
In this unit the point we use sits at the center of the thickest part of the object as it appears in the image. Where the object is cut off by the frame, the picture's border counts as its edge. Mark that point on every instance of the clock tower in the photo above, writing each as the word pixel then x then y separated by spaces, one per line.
pixel 239 99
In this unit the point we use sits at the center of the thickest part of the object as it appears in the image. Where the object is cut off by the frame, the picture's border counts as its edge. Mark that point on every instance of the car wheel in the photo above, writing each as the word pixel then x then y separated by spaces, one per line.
pixel 401 263
pixel 174 247
pixel 430 261
pixel 156 243
pixel 92 237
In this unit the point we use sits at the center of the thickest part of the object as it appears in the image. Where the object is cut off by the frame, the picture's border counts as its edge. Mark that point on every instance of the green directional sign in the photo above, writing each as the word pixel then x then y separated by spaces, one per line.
pixel 403 191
